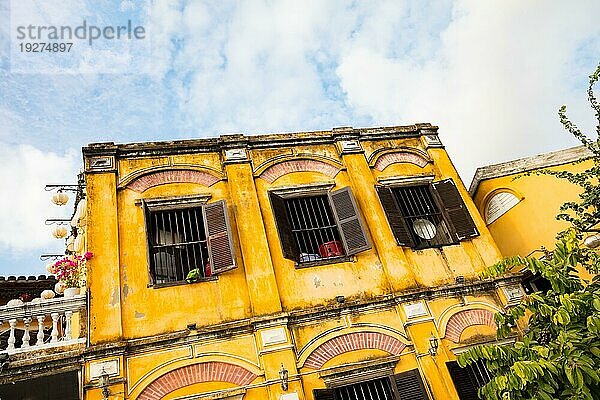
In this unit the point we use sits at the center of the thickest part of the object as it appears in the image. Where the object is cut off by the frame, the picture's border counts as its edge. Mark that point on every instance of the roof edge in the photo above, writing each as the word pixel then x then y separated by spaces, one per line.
pixel 520 165
pixel 217 143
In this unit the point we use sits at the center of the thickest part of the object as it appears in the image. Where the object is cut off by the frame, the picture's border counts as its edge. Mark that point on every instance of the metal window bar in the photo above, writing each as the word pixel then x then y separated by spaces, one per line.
pixel 178 244
pixel 312 224
pixel 423 217
pixel 378 389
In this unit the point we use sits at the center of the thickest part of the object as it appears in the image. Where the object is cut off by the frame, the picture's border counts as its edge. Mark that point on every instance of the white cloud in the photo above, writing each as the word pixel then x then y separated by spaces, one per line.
pixel 254 67
pixel 493 86
pixel 489 75
pixel 25 205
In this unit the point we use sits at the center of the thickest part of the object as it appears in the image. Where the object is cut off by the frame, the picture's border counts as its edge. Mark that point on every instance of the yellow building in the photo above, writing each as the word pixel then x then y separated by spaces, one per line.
pixel 338 264
pixel 520 206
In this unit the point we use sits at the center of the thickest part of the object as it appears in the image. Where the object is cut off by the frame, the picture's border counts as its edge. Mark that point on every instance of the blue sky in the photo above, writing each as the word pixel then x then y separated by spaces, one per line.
pixel 491 74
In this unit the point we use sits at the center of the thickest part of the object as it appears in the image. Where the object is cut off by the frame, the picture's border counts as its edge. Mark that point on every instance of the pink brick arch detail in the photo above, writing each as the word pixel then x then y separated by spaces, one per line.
pixel 463 319
pixel 196 373
pixel 276 171
pixel 147 181
pixel 400 157
pixel 353 341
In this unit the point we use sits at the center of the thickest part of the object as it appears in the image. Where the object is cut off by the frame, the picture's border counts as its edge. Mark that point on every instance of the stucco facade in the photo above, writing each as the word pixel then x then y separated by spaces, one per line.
pixel 338 256
pixel 329 323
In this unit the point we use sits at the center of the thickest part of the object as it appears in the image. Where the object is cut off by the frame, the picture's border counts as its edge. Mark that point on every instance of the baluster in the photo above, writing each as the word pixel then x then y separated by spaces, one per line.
pixel 40 334
pixel 26 337
pixel 54 333
pixel 68 315
pixel 11 338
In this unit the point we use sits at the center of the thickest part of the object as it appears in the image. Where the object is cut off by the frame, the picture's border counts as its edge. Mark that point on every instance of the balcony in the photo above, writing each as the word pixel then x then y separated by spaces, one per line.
pixel 46 324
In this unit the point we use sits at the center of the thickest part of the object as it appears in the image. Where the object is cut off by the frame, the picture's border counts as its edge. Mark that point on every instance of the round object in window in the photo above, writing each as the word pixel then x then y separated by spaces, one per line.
pixel 424 228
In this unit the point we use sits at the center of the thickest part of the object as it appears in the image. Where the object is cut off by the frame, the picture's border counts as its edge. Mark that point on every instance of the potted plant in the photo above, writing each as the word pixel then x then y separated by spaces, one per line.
pixel 70 272
pixel 194 275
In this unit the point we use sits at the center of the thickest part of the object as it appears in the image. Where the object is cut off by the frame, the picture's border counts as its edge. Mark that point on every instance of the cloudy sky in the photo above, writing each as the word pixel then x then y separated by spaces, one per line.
pixel 490 74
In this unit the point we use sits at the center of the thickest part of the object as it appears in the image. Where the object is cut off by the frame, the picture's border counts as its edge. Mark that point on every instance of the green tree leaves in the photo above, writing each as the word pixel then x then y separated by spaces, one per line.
pixel 558 355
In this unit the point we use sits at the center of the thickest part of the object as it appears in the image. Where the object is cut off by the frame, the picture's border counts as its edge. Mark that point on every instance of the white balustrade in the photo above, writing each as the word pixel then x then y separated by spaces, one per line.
pixel 16 321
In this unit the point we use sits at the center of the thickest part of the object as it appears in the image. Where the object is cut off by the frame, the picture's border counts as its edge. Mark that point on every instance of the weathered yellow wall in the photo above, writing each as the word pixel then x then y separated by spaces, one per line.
pixel 532 222
pixel 265 287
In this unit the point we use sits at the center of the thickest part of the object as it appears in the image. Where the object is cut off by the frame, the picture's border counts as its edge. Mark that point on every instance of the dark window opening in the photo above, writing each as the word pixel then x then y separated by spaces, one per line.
pixel 407 385
pixel 535 283
pixel 314 228
pixel 64 386
pixel 423 216
pixel 317 228
pixel 184 239
pixel 470 379
pixel 371 390
pixel 178 244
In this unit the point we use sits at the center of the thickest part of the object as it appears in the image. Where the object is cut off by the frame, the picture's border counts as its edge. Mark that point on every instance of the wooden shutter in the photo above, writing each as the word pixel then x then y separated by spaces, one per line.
pixel 149 240
pixel 218 235
pixel 349 222
pixel 455 209
pixel 410 386
pixel 465 387
pixel 394 216
pixel 324 394
pixel 284 228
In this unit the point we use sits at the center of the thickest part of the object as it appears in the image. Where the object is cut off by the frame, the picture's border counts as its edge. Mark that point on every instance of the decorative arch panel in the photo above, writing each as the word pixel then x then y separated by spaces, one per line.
pixel 463 319
pixel 350 342
pixel 384 159
pixel 146 181
pixel 196 373
pixel 275 171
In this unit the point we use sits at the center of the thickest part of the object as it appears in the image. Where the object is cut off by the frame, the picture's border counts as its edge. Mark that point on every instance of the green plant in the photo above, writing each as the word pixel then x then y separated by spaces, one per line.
pixel 193 276
pixel 558 355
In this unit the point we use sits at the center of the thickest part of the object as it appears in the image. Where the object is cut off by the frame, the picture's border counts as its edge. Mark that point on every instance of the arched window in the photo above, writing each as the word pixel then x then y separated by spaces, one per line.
pixel 499 204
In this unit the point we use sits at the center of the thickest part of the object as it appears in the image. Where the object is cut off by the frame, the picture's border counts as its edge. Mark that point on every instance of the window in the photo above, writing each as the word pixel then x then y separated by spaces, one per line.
pixel 498 205
pixel 184 235
pixel 470 379
pixel 426 215
pixel 535 283
pixel 405 386
pixel 317 226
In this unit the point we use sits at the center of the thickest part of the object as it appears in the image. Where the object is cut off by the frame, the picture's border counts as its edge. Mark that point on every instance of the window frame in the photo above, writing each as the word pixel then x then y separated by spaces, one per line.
pixel 179 203
pixel 502 207
pixel 403 233
pixel 310 190
pixel 452 237
pixel 409 382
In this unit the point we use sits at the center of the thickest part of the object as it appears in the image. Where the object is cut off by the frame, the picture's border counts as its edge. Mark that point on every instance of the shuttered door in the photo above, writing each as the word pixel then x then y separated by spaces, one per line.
pixel 455 209
pixel 394 216
pixel 410 386
pixel 284 228
pixel 324 394
pixel 465 387
pixel 218 233
pixel 351 226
